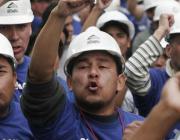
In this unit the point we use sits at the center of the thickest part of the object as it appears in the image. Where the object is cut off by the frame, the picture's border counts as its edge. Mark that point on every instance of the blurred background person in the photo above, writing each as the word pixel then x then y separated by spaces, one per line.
pixel 15 23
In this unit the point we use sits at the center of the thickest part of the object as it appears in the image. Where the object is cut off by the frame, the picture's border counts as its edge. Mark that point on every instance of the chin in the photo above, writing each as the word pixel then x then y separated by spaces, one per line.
pixel 90 105
pixel 3 106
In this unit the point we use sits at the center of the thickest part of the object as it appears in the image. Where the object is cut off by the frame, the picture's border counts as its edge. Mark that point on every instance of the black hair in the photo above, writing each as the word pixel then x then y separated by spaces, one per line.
pixel 10 61
pixel 60 48
pixel 117 60
pixel 117 24
pixel 171 37
pixel 40 1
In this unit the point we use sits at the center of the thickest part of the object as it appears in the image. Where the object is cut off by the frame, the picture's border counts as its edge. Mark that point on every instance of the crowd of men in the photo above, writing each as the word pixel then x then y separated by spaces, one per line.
pixel 87 70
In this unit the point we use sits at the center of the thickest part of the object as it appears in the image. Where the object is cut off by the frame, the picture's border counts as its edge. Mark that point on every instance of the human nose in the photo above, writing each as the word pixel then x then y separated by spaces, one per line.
pixel 71 28
pixel 94 72
pixel 13 34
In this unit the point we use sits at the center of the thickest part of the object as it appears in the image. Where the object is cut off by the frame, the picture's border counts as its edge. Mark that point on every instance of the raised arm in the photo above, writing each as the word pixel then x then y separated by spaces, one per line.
pixel 137 67
pixel 46 45
pixel 96 12
pixel 164 115
pixel 136 10
pixel 43 97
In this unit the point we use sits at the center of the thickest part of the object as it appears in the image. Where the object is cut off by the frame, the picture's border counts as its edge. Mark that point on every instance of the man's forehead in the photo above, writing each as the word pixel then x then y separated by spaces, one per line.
pixel 102 55
pixel 176 38
pixel 3 59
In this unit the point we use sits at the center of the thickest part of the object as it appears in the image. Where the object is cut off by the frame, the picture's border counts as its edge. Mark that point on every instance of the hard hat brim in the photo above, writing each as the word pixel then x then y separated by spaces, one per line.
pixel 9 20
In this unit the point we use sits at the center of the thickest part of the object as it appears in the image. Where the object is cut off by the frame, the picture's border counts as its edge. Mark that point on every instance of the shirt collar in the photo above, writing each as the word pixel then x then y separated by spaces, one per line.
pixel 169 68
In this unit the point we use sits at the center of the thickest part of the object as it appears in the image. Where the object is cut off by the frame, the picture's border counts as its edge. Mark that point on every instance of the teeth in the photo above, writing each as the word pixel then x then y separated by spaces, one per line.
pixel 93 88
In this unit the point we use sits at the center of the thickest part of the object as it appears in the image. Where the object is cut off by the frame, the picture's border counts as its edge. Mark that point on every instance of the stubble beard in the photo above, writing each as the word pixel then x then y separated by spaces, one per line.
pixel 89 106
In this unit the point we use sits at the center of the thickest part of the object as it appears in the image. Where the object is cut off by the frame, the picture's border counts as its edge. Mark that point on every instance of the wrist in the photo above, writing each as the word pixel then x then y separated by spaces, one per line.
pixel 159 34
pixel 55 13
pixel 97 9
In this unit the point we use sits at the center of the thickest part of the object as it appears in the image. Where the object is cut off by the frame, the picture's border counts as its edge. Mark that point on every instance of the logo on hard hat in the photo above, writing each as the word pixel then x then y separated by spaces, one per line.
pixel 93 39
pixel 12 8
pixel 2 2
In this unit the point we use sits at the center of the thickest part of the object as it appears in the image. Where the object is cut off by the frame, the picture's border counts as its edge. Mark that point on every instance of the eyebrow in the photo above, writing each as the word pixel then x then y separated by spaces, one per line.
pixel 2 66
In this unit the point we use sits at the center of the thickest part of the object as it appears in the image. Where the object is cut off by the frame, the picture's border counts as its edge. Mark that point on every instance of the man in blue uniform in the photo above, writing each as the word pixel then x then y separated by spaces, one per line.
pixel 15 24
pixel 94 69
pixel 147 83
pixel 13 125
pixel 165 113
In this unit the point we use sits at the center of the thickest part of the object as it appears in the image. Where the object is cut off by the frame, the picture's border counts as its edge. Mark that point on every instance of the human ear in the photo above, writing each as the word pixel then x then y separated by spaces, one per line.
pixel 121 82
pixel 121 89
pixel 168 50
pixel 14 78
pixel 69 82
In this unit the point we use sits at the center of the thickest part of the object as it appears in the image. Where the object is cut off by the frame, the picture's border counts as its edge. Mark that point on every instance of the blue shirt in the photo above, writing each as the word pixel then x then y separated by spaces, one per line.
pixel 21 71
pixel 140 25
pixel 36 24
pixel 69 93
pixel 146 103
pixel 77 25
pixel 14 126
pixel 70 125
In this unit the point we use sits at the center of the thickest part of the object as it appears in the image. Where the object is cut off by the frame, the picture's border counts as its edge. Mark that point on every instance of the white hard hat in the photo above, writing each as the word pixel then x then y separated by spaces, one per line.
pixel 148 4
pixel 90 40
pixel 6 48
pixel 118 17
pixel 164 43
pixel 176 26
pixel 16 12
pixel 175 29
pixel 115 5
pixel 167 7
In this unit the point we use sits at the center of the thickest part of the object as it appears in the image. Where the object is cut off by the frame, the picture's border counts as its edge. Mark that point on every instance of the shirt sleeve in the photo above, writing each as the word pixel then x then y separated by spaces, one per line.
pixel 137 67
pixel 41 103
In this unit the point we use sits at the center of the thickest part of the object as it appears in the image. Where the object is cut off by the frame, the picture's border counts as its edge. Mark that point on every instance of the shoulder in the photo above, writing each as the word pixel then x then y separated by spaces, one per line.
pixel 143 34
pixel 130 117
pixel 27 59
pixel 158 74
pixel 15 117
pixel 16 112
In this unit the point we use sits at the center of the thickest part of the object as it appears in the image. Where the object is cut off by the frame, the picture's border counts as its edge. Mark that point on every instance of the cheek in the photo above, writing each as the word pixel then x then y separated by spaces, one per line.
pixel 109 84
pixel 174 53
pixel 109 79
pixel 26 34
pixel 78 79
pixel 125 43
pixel 178 51
pixel 25 39
pixel 7 88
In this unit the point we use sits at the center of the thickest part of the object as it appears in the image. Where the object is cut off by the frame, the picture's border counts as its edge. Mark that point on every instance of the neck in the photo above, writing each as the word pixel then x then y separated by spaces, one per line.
pixel 101 113
pixel 105 111
pixel 20 61
pixel 99 107
pixel 103 119
pixel 4 112
pixel 174 68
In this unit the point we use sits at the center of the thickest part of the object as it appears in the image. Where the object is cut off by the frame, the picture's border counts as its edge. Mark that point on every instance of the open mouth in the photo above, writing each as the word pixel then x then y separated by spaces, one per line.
pixel 17 50
pixel 93 86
